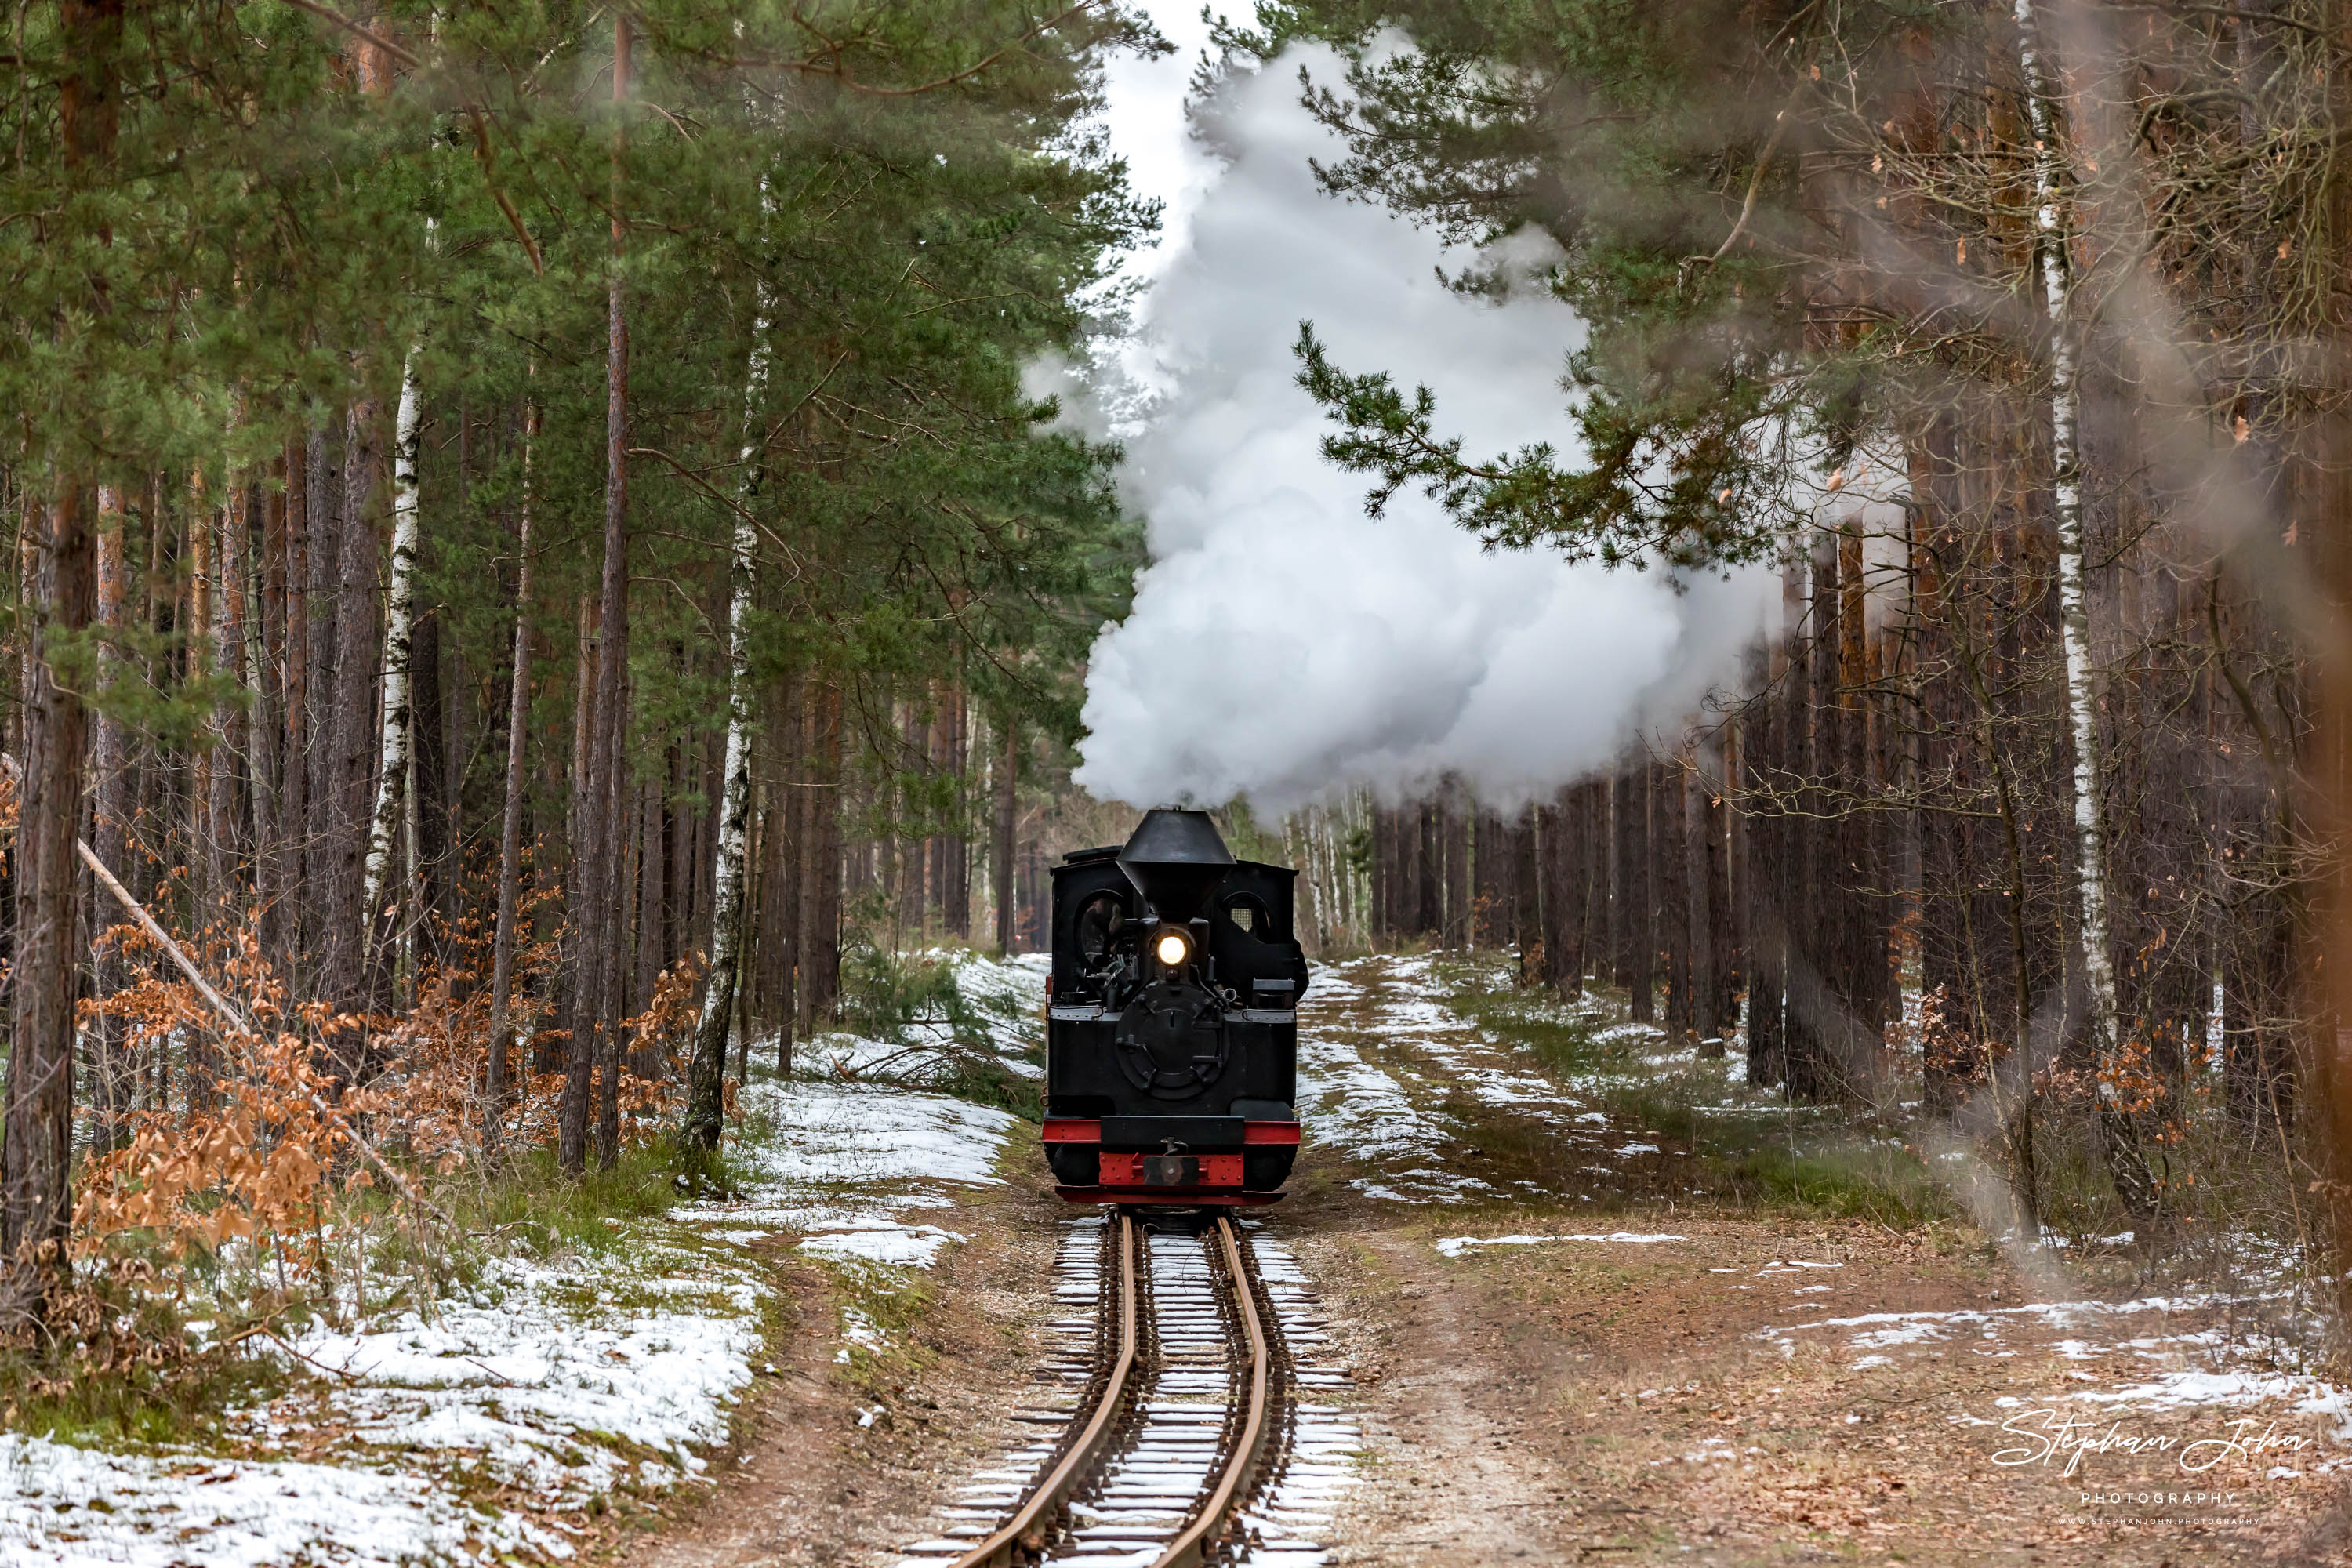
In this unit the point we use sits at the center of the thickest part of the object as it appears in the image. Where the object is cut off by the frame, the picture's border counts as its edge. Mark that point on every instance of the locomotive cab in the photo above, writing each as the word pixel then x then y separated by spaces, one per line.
pixel 1171 1036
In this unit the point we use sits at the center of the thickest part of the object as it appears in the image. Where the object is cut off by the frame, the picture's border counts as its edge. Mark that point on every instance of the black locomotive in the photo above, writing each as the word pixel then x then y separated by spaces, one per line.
pixel 1171 1034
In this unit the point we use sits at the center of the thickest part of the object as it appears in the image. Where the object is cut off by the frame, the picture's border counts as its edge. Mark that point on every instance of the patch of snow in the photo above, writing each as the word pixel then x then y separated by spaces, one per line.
pixel 537 1356
pixel 903 1246
pixel 1454 1245
pixel 871 1134
pixel 861 1331
pixel 67 1506
pixel 1878 1331
pixel 2174 1390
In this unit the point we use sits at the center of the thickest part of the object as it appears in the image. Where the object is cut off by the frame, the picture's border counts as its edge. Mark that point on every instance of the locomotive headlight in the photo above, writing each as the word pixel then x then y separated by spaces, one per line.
pixel 1172 949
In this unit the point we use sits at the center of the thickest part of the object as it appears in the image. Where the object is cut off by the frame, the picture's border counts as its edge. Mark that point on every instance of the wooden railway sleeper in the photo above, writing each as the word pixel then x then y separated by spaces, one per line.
pixel 1199 1539
pixel 1041 1514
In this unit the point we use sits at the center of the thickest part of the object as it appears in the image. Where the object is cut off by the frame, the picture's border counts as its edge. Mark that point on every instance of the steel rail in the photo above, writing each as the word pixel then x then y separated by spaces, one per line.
pixel 1192 1544
pixel 1022 1533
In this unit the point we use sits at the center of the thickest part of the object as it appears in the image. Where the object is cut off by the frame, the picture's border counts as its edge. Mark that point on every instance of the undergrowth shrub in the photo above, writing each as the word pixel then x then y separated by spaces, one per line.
pixel 230 1190
pixel 944 1039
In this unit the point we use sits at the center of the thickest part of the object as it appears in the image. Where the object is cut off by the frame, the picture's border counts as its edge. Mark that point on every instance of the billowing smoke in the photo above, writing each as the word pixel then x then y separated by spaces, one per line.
pixel 1283 646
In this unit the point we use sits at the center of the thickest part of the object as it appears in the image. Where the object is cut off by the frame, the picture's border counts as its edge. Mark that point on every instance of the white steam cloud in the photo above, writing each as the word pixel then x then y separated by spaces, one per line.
pixel 1283 646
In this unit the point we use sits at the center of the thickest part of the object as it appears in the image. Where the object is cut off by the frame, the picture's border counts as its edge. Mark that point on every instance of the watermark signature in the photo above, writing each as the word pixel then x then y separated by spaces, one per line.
pixel 2052 1436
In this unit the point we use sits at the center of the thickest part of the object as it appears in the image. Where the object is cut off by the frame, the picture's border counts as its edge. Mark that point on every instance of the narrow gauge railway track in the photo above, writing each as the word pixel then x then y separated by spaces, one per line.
pixel 1187 1394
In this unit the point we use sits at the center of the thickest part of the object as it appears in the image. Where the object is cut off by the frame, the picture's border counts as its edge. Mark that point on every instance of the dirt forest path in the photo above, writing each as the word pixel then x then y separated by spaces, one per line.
pixel 1577 1338
pixel 1575 1344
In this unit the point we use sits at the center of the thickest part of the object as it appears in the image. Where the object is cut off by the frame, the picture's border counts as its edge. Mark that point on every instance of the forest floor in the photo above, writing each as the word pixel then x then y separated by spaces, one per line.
pixel 1601 1304
pixel 1607 1305
pixel 551 1387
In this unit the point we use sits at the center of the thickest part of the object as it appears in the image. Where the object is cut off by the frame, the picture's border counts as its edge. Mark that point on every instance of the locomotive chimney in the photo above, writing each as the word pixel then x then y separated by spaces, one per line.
pixel 1175 858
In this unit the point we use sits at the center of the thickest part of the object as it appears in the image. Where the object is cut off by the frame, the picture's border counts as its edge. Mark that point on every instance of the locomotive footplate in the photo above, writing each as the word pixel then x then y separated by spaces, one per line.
pixel 1169 1160
pixel 1169 1197
pixel 1193 1134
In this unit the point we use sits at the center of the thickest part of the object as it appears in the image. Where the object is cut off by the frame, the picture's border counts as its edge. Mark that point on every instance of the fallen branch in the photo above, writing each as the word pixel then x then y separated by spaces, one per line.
pixel 220 1004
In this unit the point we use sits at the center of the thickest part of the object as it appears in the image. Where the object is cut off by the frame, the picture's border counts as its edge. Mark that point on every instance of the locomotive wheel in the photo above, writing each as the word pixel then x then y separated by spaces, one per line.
pixel 1263 1170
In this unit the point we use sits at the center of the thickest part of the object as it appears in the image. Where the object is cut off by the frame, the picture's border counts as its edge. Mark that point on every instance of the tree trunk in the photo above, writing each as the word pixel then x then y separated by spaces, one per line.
pixel 1670 854
pixel 348 916
pixel 1809 690
pixel 432 918
pixel 599 842
pixel 1563 834
pixel 954 852
pixel 1634 886
pixel 399 654
pixel 502 948
pixel 1526 895
pixel 1763 924
pixel 707 1073
pixel 781 897
pixel 322 508
pixel 1624 862
pixel 36 1159
pixel 820 861
pixel 1001 843
pixel 1490 868
pixel 266 642
pixel 1719 981
pixel 2119 1137
pixel 222 845
pixel 1454 801
pixel 111 776
pixel 579 1023
pixel 644 917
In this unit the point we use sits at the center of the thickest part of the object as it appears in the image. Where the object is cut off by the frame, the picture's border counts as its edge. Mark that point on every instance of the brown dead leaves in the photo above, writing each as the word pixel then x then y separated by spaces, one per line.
pixel 254 1167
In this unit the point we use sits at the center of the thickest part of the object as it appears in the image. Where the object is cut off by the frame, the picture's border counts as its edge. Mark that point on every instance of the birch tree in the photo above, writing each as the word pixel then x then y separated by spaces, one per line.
pixel 707 1071
pixel 400 628
pixel 2053 237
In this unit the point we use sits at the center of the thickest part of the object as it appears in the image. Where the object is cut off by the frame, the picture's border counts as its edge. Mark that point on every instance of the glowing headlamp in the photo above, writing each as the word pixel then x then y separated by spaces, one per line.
pixel 1172 949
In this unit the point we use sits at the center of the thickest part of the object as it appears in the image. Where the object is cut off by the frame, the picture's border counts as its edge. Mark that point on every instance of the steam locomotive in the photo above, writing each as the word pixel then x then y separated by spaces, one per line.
pixel 1171 1034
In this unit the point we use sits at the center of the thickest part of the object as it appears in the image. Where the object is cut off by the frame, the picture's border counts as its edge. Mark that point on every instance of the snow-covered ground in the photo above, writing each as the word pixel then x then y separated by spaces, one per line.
pixel 480 1427
pixel 1003 998
pixel 1380 1053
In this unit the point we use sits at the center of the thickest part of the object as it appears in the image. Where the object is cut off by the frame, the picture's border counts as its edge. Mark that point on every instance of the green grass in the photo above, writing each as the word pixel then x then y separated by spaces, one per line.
pixel 895 1301
pixel 94 1386
pixel 527 1200
pixel 114 1411
pixel 1886 1186
pixel 1816 1161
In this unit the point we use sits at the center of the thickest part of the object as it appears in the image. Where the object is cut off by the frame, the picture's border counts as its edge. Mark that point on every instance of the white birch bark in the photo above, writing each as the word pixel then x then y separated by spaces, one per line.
pixel 708 1068
pixel 2052 235
pixel 398 641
